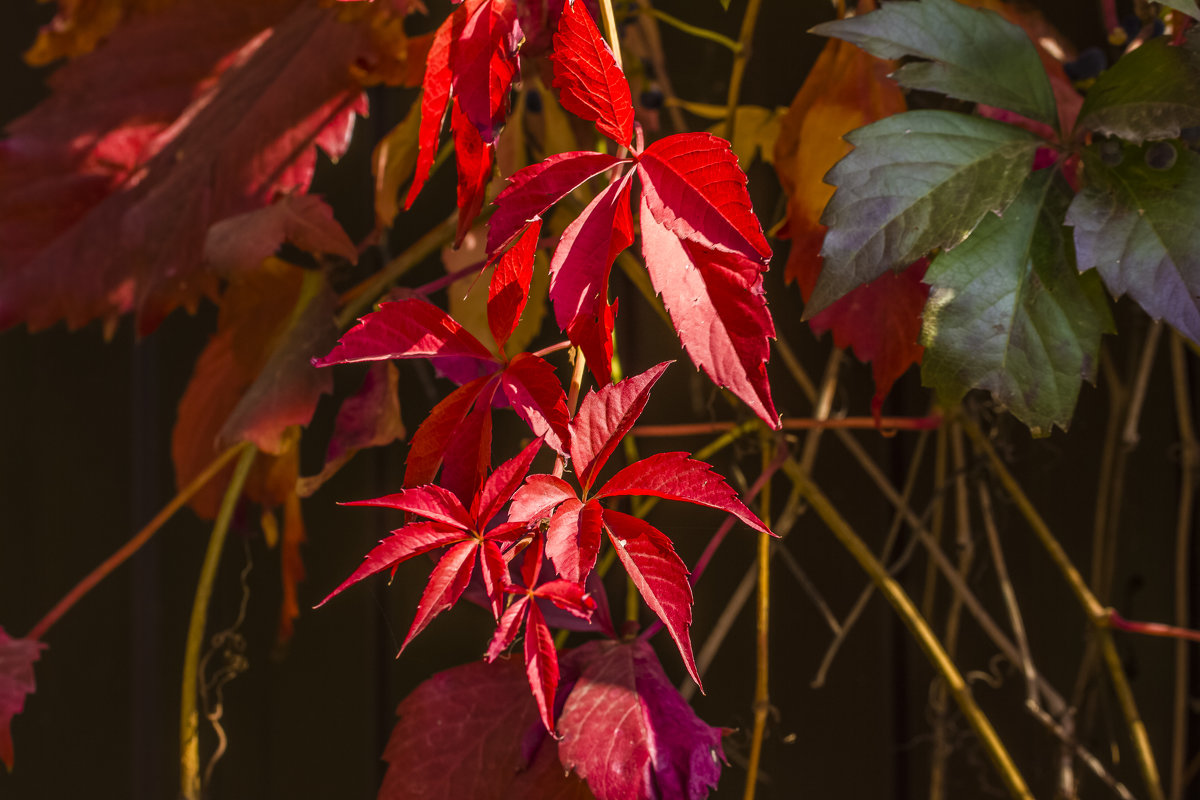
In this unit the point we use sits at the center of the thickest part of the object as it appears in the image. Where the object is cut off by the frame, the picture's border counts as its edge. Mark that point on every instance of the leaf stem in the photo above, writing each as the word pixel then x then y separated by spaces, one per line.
pixel 1097 615
pixel 762 698
pixel 918 627
pixel 1189 458
pixel 134 544
pixel 694 30
pixel 189 729
pixel 740 56
pixel 885 425
pixel 610 30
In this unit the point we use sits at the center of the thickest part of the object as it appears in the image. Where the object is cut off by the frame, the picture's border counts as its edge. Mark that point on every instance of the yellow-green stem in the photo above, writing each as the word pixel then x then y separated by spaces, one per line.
pixel 740 56
pixel 1096 613
pixel 918 627
pixel 694 30
pixel 189 727
pixel 762 697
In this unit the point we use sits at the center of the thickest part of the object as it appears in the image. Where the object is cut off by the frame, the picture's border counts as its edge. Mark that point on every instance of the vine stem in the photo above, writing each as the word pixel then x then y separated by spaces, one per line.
pixel 189 727
pixel 762 697
pixel 1183 547
pixel 610 30
pixel 740 56
pixel 133 545
pixel 1097 615
pixel 886 425
pixel 920 630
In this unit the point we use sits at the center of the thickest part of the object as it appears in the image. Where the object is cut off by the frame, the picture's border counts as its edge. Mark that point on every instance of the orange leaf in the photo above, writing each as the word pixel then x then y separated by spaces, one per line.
pixel 846 89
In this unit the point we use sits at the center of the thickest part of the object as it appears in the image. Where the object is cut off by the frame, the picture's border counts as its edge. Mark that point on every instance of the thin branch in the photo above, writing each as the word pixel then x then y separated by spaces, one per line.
pixel 1138 396
pixel 692 30
pixel 740 56
pixel 885 425
pixel 762 698
pixel 189 738
pixel 1188 461
pixel 133 545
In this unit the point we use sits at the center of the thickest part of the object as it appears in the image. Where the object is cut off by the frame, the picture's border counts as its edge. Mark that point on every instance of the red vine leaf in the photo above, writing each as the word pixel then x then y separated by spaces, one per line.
pixel 533 390
pixel 484 63
pixel 627 731
pixel 541 663
pixel 435 96
pixel 573 540
pixel 716 304
pixel 659 574
pixel 243 242
pixel 16 681
pixel 605 415
pixel 579 274
pixel 592 85
pixel 179 120
pixel 474 157
pixel 409 541
pixel 447 583
pixel 412 328
pixel 881 320
pixel 509 288
pixel 428 447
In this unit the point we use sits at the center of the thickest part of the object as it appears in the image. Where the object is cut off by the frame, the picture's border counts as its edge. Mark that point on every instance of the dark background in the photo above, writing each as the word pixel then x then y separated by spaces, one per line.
pixel 85 461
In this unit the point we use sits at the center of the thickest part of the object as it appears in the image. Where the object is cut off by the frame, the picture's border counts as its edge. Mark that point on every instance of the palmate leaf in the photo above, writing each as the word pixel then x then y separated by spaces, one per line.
pixel 1149 94
pixel 1136 224
pixel 1008 312
pixel 627 730
pixel 913 183
pixel 972 54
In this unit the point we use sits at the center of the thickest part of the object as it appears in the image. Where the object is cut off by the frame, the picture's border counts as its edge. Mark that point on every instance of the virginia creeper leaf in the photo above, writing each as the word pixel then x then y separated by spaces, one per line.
pixel 539 494
pixel 179 120
pixel 1008 312
pixel 716 304
pixel 500 486
pixel 1130 225
pixel 692 185
pixel 913 183
pixel 626 729
pixel 484 62
pixel 429 501
pixel 435 96
pixel 605 415
pixel 474 158
pixel 533 190
pixel 509 287
pixel 659 574
pixel 368 418
pixel 676 476
pixel 971 54
pixel 846 89
pixel 428 446
pixel 244 241
pixel 403 544
pixel 468 453
pixel 881 321
pixel 446 584
pixel 411 328
pixel 579 274
pixel 533 390
pixel 573 540
pixel 16 681
pixel 1150 93
pixel 592 86
pixel 459 736
pixel 507 628
pixel 541 664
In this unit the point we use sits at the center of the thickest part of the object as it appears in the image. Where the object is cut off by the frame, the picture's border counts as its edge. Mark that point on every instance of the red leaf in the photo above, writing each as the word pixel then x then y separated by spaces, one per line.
pixel 507 628
pixel 882 322
pixel 535 393
pixel 533 190
pixel 626 730
pixel 541 664
pixel 693 186
pixel 368 418
pixel 435 95
pixel 459 737
pixel 403 544
pixel 447 583
pixel 715 300
pixel 411 328
pixel 676 476
pixel 181 119
pixel 573 541
pixel 539 495
pixel 509 288
pixel 579 274
pixel 244 241
pixel 16 681
pixel 432 502
pixel 474 158
pixel 592 85
pixel 498 489
pixel 468 453
pixel 604 417
pixel 484 62
pixel 495 574
pixel 428 447
pixel 568 595
pixel 659 574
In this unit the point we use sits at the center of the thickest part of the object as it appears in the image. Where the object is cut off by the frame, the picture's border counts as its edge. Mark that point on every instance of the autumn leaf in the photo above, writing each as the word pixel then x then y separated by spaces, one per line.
pixel 177 121
pixel 592 86
pixel 16 681
pixel 460 735
pixel 627 731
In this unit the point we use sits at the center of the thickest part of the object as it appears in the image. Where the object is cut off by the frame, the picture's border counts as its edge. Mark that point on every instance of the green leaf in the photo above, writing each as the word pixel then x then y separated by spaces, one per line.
pixel 1008 312
pixel 1137 224
pixel 971 54
pixel 1188 7
pixel 1151 93
pixel 914 182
